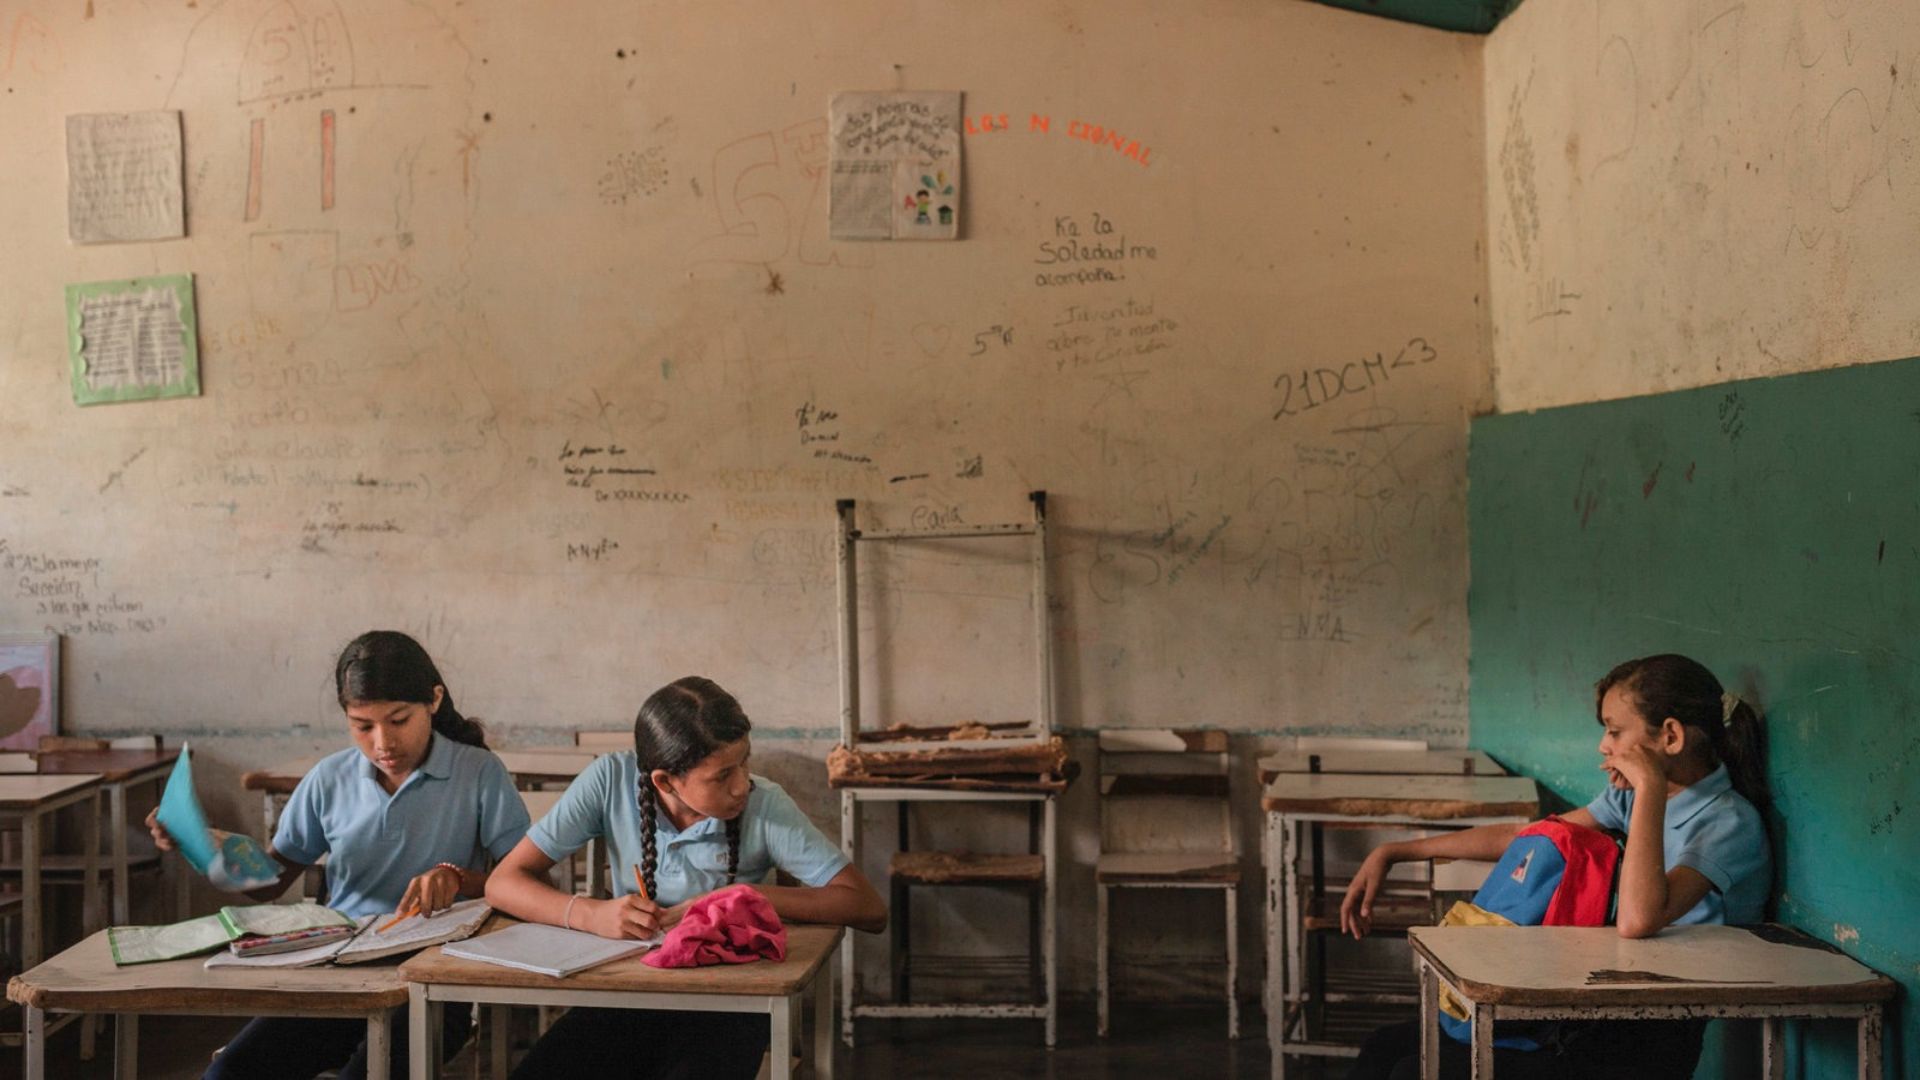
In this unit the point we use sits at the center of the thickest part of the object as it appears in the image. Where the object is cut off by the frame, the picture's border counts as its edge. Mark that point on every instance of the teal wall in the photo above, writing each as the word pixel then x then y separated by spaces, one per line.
pixel 1771 530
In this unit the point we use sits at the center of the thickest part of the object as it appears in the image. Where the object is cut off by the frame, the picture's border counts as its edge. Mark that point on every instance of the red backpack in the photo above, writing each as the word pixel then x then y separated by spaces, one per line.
pixel 1554 873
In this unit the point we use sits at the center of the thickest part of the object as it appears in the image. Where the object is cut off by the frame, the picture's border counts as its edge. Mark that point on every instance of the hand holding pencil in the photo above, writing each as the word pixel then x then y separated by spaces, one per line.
pixel 432 891
pixel 632 916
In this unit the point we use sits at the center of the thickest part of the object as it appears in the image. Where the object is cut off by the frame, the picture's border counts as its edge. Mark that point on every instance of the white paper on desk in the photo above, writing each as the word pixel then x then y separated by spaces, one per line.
pixel 123 177
pixel 415 933
pixel 894 164
pixel 546 950
pixel 315 956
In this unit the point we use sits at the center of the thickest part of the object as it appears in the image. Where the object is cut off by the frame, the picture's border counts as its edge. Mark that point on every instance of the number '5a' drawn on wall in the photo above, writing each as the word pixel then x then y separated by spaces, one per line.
pixel 769 193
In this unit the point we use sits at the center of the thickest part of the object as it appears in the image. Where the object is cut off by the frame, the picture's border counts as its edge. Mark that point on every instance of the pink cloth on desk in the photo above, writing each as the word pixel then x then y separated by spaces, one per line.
pixel 731 926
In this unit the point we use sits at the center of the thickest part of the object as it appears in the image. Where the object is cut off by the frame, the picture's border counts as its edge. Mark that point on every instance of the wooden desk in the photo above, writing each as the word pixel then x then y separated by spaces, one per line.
pixel 29 799
pixel 118 771
pixel 758 987
pixel 1543 973
pixel 84 979
pixel 1385 762
pixel 1294 800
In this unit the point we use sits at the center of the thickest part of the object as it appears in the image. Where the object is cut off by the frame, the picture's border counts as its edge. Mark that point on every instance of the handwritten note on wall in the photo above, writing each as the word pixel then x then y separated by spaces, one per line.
pixel 896 165
pixel 123 177
pixel 130 340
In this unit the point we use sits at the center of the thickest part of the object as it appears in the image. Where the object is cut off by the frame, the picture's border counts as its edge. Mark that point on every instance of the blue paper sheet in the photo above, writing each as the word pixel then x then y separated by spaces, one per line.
pixel 229 860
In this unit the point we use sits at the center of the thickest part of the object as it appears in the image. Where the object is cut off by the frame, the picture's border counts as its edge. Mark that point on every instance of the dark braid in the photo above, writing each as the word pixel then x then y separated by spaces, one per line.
pixel 649 857
pixel 733 849
pixel 680 726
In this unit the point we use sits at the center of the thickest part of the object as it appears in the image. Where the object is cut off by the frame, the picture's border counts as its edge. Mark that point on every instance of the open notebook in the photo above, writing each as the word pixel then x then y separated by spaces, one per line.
pixel 371 943
pixel 151 944
pixel 548 950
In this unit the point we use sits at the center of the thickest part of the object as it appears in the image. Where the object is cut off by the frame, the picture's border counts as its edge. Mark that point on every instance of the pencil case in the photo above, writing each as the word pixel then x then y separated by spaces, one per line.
pixel 268 944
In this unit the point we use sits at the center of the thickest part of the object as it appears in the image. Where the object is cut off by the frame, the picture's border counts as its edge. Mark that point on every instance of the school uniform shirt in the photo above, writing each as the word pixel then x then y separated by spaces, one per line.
pixel 603 802
pixel 1716 831
pixel 459 803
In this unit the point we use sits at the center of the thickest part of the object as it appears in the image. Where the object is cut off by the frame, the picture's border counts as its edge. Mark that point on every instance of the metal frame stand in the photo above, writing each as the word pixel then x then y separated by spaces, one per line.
pixel 850 537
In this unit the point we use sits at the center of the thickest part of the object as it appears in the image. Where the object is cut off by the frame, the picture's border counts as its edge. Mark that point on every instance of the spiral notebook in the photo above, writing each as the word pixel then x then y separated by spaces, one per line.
pixel 548 950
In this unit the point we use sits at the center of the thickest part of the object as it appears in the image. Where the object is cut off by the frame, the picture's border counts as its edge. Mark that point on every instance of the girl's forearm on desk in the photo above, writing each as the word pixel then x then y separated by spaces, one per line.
pixel 845 901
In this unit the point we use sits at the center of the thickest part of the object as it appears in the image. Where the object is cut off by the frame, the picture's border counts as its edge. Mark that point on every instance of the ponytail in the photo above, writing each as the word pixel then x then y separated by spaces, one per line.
pixel 1740 744
pixel 387 665
pixel 449 722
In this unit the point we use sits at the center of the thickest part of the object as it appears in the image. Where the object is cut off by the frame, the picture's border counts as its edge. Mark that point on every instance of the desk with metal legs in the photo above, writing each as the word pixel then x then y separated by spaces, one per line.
pixel 1772 973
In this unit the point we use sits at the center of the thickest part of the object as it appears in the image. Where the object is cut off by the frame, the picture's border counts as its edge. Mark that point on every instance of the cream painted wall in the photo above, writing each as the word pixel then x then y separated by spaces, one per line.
pixel 606 228
pixel 1687 193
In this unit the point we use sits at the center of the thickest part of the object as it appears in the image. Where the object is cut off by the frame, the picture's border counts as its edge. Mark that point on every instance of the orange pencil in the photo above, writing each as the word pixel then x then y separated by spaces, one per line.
pixel 640 883
pixel 399 918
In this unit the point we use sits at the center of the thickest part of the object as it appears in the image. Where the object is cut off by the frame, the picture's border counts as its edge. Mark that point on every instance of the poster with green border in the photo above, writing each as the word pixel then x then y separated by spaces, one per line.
pixel 133 339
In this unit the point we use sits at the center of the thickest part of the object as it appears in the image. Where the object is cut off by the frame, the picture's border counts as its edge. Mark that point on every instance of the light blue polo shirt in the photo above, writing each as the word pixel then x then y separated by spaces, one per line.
pixel 602 802
pixel 458 804
pixel 1716 831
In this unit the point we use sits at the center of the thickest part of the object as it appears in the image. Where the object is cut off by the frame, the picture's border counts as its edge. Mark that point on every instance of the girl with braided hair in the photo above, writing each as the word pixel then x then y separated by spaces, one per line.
pixel 684 809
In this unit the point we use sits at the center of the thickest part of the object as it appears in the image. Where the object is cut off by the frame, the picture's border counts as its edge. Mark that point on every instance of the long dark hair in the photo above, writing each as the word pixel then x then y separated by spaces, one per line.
pixel 1680 687
pixel 387 665
pixel 679 726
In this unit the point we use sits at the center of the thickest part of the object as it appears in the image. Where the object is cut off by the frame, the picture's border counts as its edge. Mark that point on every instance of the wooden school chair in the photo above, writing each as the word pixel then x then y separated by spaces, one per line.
pixel 908 870
pixel 603 742
pixel 53 743
pixel 1151 778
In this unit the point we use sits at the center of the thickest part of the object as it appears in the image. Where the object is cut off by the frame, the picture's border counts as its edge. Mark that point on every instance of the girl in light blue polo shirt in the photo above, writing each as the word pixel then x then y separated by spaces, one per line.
pixel 410 815
pixel 684 811
pixel 1685 783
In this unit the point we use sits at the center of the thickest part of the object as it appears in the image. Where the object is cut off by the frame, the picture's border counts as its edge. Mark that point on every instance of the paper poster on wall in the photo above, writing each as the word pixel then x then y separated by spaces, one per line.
pixel 124 177
pixel 29 689
pixel 895 165
pixel 131 340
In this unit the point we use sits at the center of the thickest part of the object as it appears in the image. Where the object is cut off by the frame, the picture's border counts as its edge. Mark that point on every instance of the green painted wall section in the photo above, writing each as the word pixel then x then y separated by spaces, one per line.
pixel 1771 530
pixel 1472 16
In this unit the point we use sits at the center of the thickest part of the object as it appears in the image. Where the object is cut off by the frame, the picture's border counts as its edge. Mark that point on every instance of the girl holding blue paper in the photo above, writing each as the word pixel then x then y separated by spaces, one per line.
pixel 408 819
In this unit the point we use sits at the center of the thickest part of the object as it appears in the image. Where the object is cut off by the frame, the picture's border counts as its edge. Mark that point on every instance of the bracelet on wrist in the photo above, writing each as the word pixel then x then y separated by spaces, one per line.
pixel 459 873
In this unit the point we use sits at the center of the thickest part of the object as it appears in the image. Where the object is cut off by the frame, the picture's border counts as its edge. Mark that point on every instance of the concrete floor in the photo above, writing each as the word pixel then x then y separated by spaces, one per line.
pixel 1152 1042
